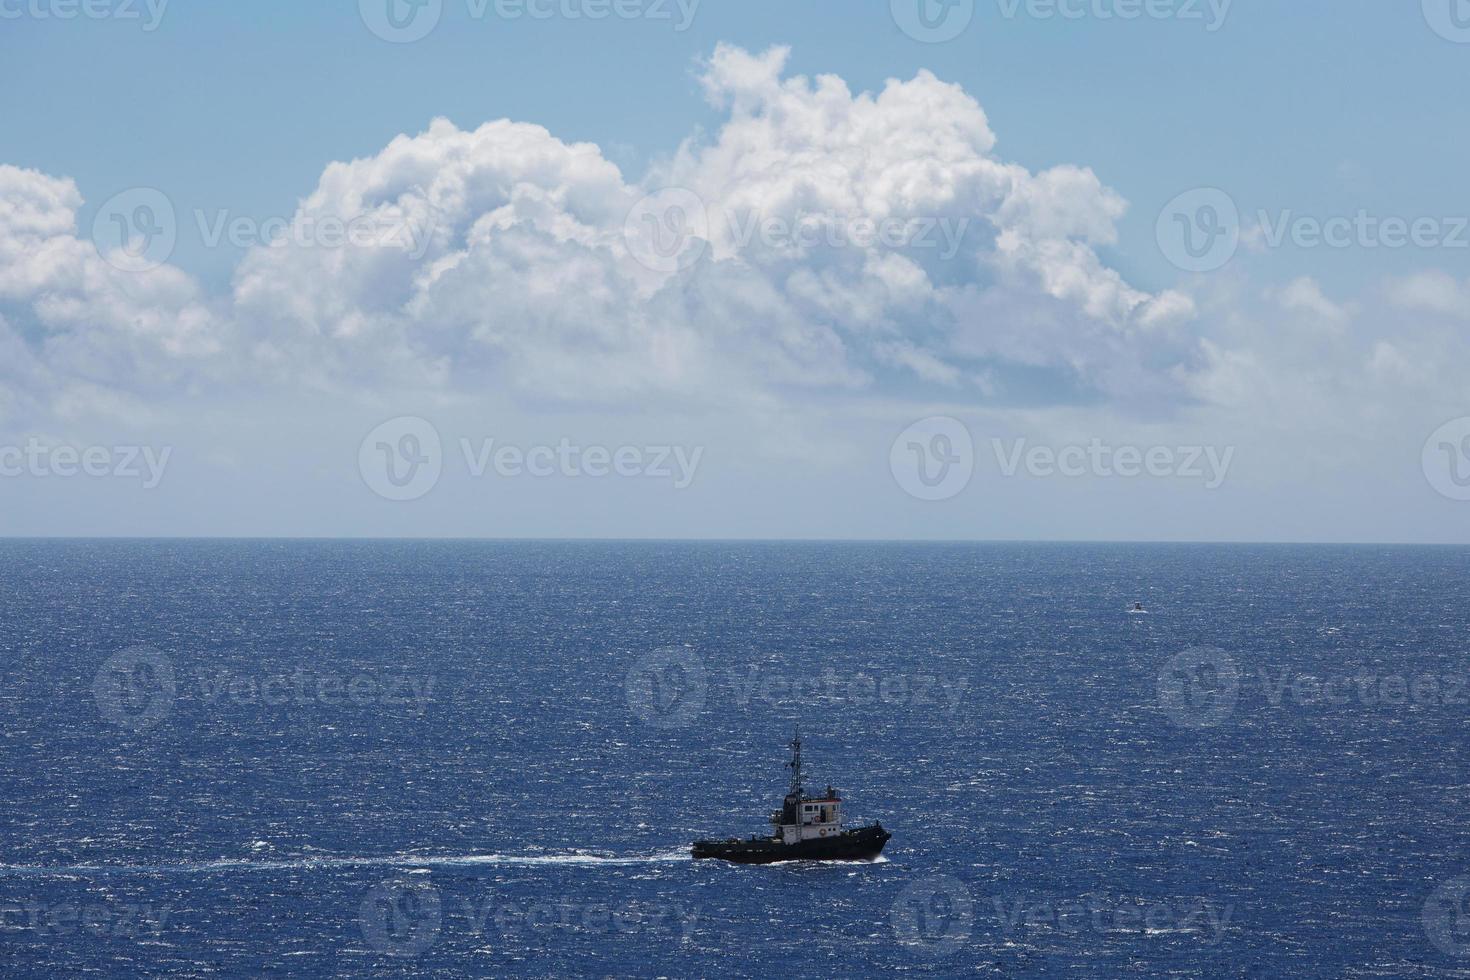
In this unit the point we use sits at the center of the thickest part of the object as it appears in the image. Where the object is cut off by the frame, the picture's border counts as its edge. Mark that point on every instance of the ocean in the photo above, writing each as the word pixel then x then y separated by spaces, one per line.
pixel 370 758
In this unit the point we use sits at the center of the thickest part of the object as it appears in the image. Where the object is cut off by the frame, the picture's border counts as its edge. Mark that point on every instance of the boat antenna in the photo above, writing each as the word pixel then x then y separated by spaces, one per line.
pixel 795 764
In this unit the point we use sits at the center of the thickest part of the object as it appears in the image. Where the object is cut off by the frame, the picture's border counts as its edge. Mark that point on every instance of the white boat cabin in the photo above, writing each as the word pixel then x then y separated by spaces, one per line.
pixel 804 817
pixel 819 816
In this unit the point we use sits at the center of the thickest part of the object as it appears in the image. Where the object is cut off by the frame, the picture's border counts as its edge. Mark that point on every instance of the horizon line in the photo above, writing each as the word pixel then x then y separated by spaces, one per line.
pixel 450 539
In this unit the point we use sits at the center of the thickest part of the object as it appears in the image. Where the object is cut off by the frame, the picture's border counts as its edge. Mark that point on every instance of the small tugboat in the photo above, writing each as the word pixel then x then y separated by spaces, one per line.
pixel 808 828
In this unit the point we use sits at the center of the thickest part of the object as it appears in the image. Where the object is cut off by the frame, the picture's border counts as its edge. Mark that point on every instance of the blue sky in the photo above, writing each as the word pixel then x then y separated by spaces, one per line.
pixel 1325 368
pixel 1323 106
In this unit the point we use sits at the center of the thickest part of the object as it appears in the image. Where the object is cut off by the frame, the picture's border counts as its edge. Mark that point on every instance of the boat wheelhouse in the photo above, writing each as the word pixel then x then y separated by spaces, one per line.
pixel 807 828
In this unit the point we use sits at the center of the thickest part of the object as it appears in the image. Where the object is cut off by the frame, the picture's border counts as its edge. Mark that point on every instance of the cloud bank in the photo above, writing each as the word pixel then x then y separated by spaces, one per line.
pixel 850 242
pixel 819 246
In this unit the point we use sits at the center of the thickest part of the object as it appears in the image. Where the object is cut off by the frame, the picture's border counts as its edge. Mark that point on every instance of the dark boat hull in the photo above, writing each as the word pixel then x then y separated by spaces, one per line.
pixel 862 844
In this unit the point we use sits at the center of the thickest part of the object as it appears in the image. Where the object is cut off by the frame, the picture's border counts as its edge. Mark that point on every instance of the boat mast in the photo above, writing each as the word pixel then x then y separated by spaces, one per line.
pixel 795 766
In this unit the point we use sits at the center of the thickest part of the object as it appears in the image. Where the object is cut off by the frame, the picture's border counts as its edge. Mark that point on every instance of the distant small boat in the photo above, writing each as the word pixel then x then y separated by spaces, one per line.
pixel 808 828
pixel 1137 608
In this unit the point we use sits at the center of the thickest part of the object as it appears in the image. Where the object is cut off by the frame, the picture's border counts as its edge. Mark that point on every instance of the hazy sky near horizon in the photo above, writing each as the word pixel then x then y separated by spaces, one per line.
pixel 1061 269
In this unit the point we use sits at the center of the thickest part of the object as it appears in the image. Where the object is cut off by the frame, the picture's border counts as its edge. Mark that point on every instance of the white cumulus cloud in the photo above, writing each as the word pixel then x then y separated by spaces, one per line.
pixel 840 242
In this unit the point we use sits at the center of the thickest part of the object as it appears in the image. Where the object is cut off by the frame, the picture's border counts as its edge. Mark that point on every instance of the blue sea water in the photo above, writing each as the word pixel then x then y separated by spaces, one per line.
pixel 488 758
